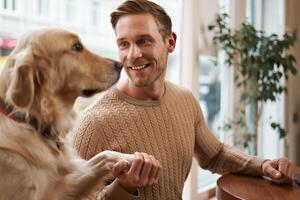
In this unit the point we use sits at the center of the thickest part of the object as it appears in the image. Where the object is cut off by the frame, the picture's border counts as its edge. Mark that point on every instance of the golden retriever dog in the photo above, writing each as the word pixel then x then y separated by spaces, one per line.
pixel 41 79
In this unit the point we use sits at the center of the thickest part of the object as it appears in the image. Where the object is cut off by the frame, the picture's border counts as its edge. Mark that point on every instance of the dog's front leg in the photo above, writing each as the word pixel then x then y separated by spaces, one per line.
pixel 102 163
pixel 93 173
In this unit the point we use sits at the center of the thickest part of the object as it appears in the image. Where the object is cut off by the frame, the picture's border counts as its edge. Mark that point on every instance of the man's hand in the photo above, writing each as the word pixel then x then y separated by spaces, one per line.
pixel 144 171
pixel 279 170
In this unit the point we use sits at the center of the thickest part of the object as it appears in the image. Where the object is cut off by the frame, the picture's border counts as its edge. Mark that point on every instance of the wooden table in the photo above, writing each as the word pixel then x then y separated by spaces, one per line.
pixel 237 187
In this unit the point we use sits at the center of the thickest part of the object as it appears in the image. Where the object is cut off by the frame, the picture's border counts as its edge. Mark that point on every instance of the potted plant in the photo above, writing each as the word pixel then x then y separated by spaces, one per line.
pixel 261 62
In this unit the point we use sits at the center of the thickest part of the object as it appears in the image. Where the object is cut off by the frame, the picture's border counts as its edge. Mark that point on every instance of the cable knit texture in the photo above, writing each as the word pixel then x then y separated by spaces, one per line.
pixel 172 129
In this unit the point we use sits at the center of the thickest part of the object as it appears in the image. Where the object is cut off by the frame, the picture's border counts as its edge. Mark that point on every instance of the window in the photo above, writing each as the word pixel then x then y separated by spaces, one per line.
pixel 210 80
pixel 210 91
pixel 9 6
pixel 96 17
pixel 71 12
pixel 269 16
pixel 43 8
pixel 210 101
pixel 260 13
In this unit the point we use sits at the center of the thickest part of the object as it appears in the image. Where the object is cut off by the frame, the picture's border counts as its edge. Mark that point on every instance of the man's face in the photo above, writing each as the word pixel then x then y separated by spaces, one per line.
pixel 142 50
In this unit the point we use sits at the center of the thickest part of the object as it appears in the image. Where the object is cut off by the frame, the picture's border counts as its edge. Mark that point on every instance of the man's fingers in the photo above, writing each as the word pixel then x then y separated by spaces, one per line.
pixel 273 173
pixel 120 167
pixel 290 170
pixel 155 168
pixel 158 170
pixel 283 166
pixel 279 170
pixel 136 166
pixel 147 167
pixel 144 170
pixel 156 176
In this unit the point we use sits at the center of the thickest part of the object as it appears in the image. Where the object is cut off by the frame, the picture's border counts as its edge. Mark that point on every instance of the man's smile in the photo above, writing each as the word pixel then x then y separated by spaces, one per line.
pixel 139 67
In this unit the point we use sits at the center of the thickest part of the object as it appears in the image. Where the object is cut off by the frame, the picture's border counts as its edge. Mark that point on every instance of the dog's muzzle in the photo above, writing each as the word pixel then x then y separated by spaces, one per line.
pixel 118 66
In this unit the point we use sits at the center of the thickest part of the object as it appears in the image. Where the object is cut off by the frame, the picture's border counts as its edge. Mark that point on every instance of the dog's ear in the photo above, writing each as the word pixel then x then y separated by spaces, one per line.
pixel 21 87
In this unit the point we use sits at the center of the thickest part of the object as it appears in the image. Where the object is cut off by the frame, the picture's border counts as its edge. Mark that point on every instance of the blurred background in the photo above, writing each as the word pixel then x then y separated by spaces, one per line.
pixel 192 65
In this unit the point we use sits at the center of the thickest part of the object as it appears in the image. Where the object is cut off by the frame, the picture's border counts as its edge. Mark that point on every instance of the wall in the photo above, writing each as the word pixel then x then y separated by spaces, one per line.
pixel 293 97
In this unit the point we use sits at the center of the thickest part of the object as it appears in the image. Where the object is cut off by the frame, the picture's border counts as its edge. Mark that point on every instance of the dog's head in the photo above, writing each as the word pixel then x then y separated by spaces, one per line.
pixel 50 68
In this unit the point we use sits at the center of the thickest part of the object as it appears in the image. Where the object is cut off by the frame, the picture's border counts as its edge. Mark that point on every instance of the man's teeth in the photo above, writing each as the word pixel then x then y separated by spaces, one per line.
pixel 138 67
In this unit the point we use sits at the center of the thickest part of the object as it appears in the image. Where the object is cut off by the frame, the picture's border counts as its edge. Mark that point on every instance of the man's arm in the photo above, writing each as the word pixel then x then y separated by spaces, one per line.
pixel 217 157
pixel 116 191
pixel 144 170
pixel 278 170
pixel 87 142
pixel 224 159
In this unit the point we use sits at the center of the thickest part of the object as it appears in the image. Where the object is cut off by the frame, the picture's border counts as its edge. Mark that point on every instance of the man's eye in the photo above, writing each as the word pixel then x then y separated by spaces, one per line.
pixel 143 41
pixel 77 47
pixel 123 44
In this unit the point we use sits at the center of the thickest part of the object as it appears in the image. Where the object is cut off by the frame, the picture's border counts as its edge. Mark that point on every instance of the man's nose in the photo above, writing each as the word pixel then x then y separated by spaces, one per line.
pixel 134 53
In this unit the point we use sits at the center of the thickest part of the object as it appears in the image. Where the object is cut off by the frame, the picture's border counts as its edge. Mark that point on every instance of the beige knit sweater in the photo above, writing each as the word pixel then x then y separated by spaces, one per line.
pixel 172 129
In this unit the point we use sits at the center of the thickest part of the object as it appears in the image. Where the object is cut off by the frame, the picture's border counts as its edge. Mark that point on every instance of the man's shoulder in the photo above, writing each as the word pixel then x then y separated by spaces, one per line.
pixel 181 95
pixel 107 101
pixel 178 89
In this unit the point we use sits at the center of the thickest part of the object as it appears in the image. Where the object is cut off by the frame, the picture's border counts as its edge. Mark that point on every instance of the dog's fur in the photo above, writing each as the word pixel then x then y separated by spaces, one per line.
pixel 41 79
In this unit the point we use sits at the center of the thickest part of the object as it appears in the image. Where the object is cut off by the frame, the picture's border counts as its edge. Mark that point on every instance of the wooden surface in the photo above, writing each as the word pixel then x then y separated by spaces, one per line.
pixel 237 187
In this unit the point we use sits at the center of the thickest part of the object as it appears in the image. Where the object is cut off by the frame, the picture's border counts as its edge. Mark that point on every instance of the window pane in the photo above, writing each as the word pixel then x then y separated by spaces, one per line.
pixel 13 4
pixel 71 11
pixel 210 101
pixel 9 5
pixel 210 90
pixel 95 14
pixel 210 82
pixel 43 8
pixel 5 4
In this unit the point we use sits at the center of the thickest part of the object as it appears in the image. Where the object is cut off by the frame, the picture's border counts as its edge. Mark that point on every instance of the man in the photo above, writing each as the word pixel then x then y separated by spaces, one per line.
pixel 146 113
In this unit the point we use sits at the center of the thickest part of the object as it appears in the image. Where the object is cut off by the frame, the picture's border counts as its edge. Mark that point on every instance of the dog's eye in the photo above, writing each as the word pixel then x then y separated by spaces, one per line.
pixel 77 47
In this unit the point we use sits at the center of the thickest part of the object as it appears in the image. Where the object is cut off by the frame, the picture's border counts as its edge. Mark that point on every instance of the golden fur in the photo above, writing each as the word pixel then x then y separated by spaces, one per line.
pixel 43 76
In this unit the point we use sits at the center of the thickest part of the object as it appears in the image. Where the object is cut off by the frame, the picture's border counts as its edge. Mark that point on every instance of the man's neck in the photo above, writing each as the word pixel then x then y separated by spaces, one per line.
pixel 153 92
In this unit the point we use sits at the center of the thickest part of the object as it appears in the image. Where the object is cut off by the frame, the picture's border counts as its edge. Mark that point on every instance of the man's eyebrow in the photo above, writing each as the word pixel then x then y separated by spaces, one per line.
pixel 120 39
pixel 145 36
pixel 139 36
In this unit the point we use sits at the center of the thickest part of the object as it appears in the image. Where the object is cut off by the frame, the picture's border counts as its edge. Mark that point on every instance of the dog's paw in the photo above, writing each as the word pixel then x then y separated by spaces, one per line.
pixel 128 157
pixel 105 161
pixel 117 156
pixel 120 167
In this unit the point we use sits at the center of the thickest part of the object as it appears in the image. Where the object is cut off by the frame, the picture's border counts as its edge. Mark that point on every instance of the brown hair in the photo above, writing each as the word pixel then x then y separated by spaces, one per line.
pixel 161 18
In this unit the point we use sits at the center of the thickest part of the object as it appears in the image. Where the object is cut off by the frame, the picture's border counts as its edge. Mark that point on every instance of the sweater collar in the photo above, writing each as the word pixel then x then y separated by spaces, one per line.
pixel 139 102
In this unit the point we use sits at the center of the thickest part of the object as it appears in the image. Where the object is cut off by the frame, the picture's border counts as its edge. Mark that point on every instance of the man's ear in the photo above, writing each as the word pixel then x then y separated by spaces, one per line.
pixel 172 42
pixel 20 91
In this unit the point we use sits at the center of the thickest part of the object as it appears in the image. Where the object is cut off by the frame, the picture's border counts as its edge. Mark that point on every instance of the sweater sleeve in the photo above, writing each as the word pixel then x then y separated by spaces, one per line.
pixel 115 191
pixel 86 137
pixel 218 157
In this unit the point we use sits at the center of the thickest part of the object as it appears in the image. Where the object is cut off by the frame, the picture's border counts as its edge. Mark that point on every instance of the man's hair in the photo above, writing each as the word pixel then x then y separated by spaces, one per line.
pixel 160 16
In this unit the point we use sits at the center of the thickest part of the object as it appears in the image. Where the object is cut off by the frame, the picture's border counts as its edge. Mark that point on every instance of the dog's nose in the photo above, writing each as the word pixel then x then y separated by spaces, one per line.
pixel 118 66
